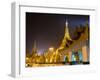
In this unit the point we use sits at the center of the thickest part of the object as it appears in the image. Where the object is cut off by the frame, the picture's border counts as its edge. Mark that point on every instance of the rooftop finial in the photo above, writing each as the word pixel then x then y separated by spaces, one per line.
pixel 66 23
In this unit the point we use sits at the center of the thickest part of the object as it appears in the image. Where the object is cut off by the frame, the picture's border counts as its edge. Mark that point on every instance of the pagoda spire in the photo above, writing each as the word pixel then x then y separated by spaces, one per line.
pixel 34 45
pixel 34 49
pixel 67 32
pixel 66 37
pixel 64 44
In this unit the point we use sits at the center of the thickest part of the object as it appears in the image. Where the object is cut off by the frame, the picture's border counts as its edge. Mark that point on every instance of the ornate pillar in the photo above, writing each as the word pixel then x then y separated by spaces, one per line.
pixel 70 56
pixel 85 53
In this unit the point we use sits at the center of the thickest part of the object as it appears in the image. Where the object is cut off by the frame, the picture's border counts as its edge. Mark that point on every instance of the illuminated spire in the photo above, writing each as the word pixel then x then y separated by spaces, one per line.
pixel 67 32
pixel 63 44
pixel 34 50
pixel 34 45
pixel 66 37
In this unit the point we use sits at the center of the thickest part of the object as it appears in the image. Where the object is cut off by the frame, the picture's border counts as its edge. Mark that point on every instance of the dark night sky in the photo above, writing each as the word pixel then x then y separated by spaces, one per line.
pixel 48 29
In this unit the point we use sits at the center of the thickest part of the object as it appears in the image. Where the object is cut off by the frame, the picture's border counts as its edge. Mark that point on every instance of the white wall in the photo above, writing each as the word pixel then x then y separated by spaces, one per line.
pixel 5 37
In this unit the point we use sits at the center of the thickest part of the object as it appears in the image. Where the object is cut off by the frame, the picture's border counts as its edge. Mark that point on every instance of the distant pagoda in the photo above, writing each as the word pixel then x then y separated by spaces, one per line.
pixel 34 49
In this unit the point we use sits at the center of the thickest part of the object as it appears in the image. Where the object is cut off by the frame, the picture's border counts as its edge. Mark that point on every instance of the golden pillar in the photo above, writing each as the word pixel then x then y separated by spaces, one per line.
pixel 85 53
pixel 70 56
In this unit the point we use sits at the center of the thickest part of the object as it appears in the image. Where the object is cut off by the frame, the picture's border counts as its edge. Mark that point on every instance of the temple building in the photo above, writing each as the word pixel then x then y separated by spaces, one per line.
pixel 74 50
